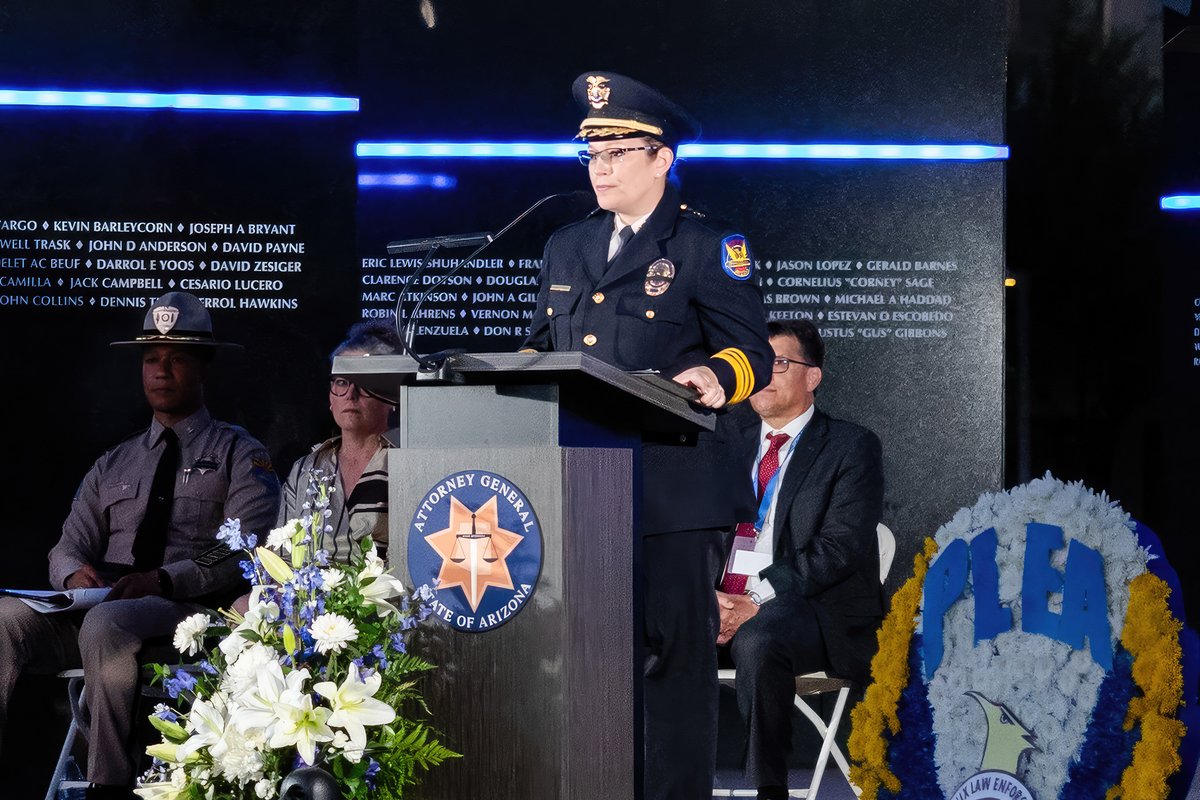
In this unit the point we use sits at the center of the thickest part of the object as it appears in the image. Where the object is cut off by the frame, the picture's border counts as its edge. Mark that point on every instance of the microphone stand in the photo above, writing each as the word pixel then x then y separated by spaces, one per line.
pixel 435 366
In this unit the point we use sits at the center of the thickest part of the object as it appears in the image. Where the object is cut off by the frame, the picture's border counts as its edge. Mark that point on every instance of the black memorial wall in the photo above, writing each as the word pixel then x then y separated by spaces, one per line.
pixel 900 262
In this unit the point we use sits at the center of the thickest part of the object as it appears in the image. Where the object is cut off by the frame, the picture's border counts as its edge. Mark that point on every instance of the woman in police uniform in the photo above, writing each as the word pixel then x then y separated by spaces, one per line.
pixel 645 282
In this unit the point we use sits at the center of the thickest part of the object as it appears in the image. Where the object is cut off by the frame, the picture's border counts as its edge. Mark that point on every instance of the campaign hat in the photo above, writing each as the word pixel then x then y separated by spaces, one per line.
pixel 619 107
pixel 177 318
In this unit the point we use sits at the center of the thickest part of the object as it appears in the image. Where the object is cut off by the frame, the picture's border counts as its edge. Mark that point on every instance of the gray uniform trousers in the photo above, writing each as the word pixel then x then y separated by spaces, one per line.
pixel 106 645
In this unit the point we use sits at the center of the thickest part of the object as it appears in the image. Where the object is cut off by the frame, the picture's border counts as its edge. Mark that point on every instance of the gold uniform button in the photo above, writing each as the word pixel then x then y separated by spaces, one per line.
pixel 650 313
pixel 549 311
pixel 590 339
pixel 598 297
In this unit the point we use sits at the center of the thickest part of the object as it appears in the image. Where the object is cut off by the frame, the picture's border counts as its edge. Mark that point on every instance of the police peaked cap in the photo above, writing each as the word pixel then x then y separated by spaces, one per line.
pixel 618 107
pixel 178 318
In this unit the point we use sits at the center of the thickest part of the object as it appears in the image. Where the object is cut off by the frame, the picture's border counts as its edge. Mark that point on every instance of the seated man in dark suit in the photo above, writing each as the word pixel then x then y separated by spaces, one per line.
pixel 144 522
pixel 801 590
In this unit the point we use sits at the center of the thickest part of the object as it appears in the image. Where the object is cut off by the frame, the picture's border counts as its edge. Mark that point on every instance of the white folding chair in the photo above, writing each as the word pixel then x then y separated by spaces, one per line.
pixel 815 684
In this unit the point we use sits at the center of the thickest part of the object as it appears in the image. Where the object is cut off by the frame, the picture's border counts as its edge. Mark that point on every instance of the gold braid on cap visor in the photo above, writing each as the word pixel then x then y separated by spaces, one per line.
pixel 598 127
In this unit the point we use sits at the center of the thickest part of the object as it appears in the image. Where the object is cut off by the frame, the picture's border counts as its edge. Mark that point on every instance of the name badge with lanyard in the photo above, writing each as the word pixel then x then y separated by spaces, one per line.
pixel 744 560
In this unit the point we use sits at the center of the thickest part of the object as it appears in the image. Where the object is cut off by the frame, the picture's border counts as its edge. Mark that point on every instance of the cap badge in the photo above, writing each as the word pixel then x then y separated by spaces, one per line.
pixel 597 91
pixel 165 318
pixel 659 276
pixel 735 258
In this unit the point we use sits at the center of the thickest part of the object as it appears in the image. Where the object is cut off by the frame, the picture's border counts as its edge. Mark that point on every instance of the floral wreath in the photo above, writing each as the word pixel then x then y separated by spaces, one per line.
pixel 1091 731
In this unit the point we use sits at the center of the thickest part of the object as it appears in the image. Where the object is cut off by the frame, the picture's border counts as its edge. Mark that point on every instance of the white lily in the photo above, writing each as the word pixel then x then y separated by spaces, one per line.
pixel 354 706
pixel 207 721
pixel 256 708
pixel 158 791
pixel 382 588
pixel 300 724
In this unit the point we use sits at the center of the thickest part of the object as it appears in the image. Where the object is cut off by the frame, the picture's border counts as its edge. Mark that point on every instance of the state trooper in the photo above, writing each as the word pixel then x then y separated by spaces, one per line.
pixel 144 522
pixel 648 283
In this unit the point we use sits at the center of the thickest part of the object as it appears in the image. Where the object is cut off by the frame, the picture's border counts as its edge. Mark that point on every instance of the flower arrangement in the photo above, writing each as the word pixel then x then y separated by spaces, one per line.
pixel 1098 732
pixel 313 674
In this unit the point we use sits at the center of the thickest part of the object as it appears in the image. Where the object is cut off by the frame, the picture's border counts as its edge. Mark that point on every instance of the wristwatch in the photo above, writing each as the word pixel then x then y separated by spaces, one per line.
pixel 754 598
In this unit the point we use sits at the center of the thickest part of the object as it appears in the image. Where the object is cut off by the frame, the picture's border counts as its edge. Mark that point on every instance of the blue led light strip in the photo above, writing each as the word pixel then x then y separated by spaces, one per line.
pixel 912 152
pixel 405 180
pixel 191 100
pixel 1180 202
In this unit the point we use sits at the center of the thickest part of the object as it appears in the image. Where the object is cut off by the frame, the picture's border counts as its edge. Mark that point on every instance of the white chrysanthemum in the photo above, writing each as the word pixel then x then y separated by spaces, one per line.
pixel 242 759
pixel 1050 686
pixel 264 789
pixel 189 634
pixel 242 674
pixel 280 539
pixel 332 578
pixel 332 632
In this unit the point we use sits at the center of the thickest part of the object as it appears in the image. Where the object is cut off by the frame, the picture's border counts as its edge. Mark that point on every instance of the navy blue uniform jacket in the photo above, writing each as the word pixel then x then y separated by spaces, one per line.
pixel 705 317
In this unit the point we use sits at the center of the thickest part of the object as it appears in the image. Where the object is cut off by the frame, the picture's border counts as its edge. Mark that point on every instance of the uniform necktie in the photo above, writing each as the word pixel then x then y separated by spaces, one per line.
pixel 623 237
pixel 767 467
pixel 151 541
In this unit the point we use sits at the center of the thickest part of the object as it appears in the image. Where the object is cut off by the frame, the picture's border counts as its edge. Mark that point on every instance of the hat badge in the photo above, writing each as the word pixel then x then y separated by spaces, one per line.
pixel 165 318
pixel 597 91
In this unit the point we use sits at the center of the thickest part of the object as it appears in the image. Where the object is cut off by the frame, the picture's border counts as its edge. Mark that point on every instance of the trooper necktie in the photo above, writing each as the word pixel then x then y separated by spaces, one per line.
pixel 623 237
pixel 767 467
pixel 151 539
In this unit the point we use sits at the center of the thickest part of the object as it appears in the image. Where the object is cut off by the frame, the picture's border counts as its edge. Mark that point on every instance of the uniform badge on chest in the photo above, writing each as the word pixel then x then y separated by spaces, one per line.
pixel 659 276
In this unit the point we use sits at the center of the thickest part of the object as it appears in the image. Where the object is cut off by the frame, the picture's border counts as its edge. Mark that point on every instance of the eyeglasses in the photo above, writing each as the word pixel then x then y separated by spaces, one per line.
pixel 607 157
pixel 781 364
pixel 340 387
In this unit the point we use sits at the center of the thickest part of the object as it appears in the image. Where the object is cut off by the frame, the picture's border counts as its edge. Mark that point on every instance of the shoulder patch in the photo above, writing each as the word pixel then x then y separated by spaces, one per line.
pixel 735 257
pixel 262 461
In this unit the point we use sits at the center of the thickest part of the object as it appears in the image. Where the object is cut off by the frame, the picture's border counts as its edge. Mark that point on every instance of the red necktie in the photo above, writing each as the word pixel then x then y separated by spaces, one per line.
pixel 767 467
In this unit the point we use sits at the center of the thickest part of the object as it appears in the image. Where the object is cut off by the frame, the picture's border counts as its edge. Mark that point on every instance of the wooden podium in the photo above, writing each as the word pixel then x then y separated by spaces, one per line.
pixel 544 705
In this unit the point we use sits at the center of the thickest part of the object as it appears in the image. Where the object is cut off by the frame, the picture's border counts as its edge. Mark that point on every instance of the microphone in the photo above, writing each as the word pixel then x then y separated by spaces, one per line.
pixel 431 242
pixel 408 333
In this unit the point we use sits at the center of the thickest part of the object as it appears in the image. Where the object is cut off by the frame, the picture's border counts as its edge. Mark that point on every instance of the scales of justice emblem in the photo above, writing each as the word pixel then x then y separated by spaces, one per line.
pixel 474 549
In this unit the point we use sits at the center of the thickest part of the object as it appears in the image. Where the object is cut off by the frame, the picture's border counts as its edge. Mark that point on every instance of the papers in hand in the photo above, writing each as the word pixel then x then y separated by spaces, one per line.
pixel 53 602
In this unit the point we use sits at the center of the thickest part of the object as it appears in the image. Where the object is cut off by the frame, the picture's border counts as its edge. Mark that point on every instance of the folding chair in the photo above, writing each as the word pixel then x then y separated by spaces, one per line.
pixel 818 683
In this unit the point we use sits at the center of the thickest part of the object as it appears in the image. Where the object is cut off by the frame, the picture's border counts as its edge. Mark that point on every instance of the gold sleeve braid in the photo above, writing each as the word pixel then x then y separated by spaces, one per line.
pixel 742 372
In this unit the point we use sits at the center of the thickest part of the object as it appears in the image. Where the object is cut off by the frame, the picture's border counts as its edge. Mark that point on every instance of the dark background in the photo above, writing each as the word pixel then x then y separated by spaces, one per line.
pixel 1082 369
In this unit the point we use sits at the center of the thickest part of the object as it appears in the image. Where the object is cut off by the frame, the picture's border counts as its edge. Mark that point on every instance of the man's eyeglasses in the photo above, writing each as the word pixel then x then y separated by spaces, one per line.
pixel 340 387
pixel 781 364
pixel 607 157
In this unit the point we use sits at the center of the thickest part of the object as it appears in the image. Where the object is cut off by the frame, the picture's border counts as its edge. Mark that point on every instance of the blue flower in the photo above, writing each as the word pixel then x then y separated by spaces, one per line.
pixel 231 534
pixel 372 773
pixel 182 682
pixel 165 712
pixel 397 643
pixel 248 571
pixel 208 667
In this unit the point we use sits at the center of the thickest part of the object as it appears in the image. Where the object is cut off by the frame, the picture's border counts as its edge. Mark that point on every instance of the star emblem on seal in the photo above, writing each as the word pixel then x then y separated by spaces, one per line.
pixel 474 550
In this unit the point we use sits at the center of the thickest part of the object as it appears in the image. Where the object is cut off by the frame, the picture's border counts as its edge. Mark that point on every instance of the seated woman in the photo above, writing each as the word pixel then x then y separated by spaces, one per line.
pixel 356 460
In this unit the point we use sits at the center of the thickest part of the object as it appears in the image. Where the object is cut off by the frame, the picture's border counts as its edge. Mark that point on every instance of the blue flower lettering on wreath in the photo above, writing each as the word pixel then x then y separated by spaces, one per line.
pixel 1084 597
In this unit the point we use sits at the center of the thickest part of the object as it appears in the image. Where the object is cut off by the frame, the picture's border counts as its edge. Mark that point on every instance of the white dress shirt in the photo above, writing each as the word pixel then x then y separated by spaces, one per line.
pixel 615 241
pixel 765 542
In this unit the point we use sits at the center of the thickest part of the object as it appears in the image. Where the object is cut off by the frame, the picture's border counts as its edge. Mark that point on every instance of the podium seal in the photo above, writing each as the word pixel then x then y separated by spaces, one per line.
pixel 477 539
